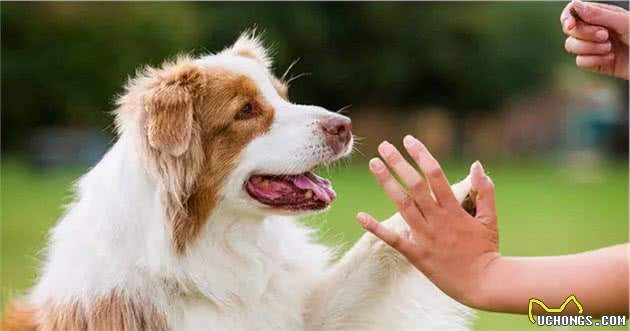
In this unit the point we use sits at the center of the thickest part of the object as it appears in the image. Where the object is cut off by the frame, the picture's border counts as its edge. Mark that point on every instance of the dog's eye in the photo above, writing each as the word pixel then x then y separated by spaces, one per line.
pixel 246 112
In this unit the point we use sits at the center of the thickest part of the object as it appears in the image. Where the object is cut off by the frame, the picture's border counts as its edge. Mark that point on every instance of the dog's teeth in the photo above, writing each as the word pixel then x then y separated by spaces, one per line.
pixel 264 183
pixel 256 180
pixel 308 194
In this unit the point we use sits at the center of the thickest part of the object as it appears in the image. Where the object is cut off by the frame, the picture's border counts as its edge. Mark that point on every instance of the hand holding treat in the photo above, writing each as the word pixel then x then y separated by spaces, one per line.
pixel 598 35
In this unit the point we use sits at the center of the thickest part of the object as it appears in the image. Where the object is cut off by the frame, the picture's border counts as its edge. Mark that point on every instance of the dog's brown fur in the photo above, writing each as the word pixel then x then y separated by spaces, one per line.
pixel 20 316
pixel 115 312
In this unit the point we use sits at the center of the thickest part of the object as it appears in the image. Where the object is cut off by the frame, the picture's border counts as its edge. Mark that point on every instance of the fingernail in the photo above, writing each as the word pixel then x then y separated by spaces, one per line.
pixel 417 142
pixel 361 218
pixel 386 149
pixel 478 168
pixel 483 171
pixel 570 19
pixel 409 141
pixel 376 165
pixel 475 168
pixel 602 35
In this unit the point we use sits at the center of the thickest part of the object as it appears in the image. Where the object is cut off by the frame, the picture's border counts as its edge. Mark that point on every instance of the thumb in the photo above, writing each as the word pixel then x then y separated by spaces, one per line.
pixel 482 184
pixel 602 16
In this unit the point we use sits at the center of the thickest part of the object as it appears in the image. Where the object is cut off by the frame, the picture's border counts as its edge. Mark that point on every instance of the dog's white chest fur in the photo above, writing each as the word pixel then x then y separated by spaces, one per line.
pixel 288 267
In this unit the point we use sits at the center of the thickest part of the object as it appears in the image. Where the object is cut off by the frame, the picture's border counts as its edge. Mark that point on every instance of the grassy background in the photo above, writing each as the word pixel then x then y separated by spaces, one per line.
pixel 544 209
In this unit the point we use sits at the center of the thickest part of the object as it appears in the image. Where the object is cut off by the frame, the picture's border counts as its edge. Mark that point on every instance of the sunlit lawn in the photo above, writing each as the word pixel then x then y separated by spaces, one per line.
pixel 544 209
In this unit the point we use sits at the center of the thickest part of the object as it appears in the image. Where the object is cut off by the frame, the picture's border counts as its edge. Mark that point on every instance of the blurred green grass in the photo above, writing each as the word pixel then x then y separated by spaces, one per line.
pixel 544 209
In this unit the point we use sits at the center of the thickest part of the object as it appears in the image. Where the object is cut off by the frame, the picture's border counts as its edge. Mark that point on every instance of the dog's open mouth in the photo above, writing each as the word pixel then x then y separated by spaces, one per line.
pixel 306 191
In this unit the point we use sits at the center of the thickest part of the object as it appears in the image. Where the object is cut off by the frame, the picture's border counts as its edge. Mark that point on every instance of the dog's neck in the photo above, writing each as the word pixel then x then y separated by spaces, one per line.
pixel 229 252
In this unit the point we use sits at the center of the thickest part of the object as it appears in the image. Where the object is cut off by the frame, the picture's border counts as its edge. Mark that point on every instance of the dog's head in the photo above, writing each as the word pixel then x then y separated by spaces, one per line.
pixel 220 129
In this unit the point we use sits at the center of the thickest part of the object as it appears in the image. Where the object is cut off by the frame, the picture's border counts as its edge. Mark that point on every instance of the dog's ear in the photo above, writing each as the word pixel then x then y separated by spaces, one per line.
pixel 250 45
pixel 170 106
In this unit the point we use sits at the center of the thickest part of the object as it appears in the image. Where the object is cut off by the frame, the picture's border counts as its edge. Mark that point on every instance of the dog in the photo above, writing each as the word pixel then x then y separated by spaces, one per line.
pixel 189 221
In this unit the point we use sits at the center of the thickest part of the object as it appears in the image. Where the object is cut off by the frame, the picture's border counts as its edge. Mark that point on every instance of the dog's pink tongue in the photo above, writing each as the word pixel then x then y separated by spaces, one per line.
pixel 320 186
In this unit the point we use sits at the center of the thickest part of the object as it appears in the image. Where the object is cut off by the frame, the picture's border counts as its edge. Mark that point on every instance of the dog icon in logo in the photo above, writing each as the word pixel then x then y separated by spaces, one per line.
pixel 552 310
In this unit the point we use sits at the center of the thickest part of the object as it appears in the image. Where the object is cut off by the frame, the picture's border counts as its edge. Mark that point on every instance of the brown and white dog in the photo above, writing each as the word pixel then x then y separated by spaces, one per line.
pixel 186 223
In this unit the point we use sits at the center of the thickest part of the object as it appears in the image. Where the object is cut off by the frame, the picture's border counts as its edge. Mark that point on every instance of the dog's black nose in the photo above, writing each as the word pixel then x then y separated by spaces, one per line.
pixel 338 132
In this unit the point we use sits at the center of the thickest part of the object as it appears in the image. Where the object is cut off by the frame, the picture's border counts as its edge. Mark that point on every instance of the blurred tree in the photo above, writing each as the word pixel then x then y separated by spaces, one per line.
pixel 63 62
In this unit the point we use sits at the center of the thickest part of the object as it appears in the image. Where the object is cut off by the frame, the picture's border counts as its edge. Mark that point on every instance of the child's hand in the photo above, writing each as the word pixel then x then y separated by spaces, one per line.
pixel 452 248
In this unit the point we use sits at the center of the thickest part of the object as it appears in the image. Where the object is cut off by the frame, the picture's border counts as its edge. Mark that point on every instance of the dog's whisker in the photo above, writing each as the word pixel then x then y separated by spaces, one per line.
pixel 304 74
pixel 284 76
pixel 342 109
pixel 355 149
pixel 357 138
pixel 358 143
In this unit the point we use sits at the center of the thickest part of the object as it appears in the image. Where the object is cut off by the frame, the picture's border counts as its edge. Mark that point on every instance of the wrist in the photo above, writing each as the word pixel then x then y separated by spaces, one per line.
pixel 488 289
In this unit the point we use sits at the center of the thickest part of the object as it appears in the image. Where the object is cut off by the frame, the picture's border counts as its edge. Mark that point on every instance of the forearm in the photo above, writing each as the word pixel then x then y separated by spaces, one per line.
pixel 599 280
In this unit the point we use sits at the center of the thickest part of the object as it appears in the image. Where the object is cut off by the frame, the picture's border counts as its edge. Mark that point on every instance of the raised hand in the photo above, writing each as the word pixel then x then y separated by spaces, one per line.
pixel 451 247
